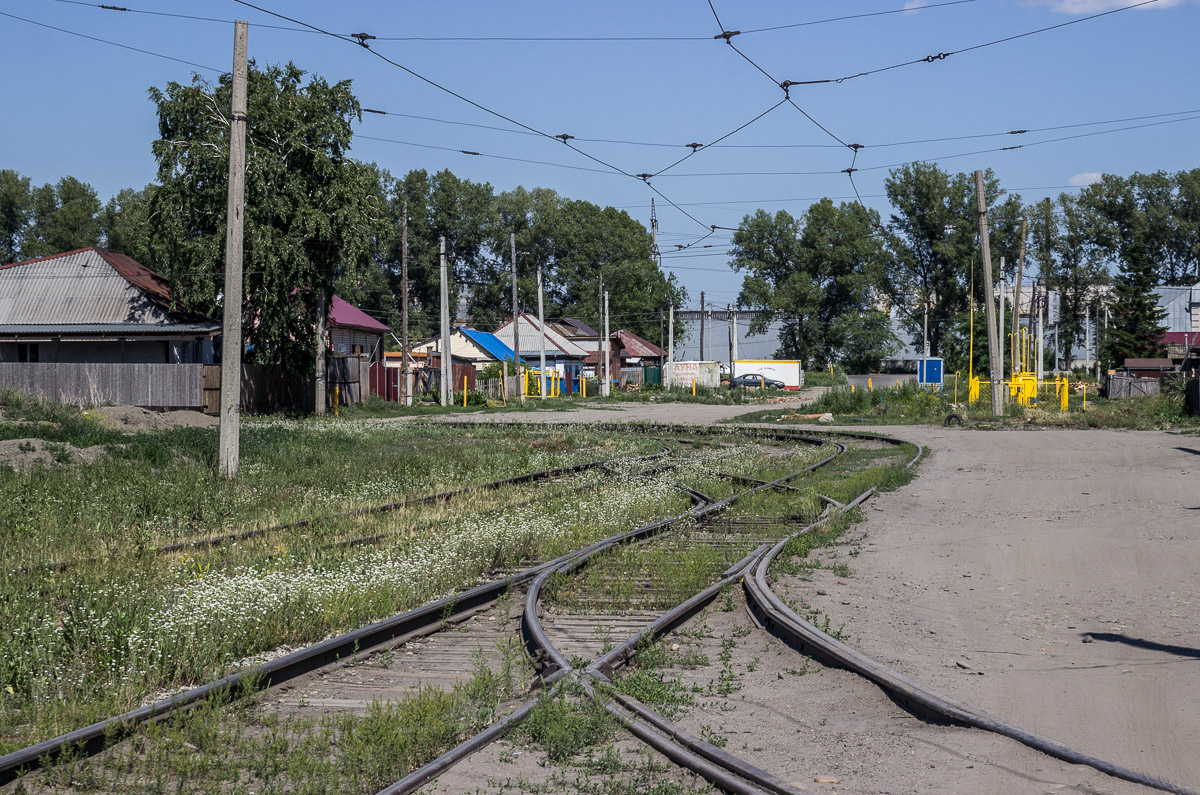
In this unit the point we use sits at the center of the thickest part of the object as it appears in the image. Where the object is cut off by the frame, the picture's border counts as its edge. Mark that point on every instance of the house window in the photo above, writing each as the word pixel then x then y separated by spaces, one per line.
pixel 27 352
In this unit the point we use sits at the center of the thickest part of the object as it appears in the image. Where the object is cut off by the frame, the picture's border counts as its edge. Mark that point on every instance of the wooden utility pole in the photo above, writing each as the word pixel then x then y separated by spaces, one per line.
pixel 447 373
pixel 405 371
pixel 1017 296
pixel 516 305
pixel 990 298
pixel 231 342
pixel 700 356
pixel 319 376
pixel 542 339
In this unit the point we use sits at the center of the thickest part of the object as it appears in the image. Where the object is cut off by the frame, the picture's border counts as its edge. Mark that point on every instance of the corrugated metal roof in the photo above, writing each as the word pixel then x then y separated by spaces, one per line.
pixel 531 339
pixel 490 343
pixel 344 314
pixel 637 347
pixel 88 286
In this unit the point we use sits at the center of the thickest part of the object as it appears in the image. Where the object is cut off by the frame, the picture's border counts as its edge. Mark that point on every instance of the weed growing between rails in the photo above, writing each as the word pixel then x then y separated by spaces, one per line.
pixel 245 746
pixel 581 742
pixel 100 638
pixel 161 487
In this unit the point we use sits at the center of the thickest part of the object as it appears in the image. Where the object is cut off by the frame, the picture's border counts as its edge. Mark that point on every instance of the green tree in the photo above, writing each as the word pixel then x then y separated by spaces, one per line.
pixel 313 215
pixel 1070 264
pixel 16 203
pixel 1120 228
pixel 821 277
pixel 933 239
pixel 63 218
pixel 125 222
pixel 441 205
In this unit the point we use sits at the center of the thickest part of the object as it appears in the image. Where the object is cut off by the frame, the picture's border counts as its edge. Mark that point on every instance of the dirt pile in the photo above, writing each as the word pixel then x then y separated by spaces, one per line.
pixel 133 418
pixel 27 453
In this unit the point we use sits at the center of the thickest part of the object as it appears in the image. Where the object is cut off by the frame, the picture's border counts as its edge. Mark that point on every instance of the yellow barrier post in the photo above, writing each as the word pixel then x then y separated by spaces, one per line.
pixel 762 382
pixel 956 387
pixel 870 386
pixel 464 391
pixel 582 385
pixel 852 388
pixel 1085 397
pixel 336 395
pixel 693 386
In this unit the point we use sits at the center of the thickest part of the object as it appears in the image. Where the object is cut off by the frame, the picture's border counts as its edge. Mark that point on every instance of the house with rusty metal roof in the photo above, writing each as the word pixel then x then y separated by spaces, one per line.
pixel 96 305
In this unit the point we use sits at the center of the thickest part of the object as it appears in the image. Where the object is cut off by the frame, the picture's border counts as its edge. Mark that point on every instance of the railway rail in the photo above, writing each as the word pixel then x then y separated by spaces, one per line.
pixel 555 670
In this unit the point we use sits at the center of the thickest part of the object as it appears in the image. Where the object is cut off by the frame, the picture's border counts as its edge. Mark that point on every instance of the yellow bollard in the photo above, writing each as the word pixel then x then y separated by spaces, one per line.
pixel 870 386
pixel 336 395
pixel 582 385
pixel 1085 397
pixel 897 384
pixel 693 386
pixel 762 382
pixel 464 391
pixel 831 368
pixel 852 388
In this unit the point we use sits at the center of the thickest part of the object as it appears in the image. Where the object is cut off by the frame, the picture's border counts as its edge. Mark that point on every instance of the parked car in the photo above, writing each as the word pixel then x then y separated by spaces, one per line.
pixel 756 379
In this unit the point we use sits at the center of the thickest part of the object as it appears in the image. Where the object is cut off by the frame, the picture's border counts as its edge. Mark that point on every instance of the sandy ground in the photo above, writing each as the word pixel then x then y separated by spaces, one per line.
pixel 1048 577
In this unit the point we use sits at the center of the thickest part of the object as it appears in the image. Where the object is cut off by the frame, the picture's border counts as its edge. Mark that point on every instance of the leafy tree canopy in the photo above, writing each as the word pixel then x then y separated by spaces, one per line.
pixel 313 214
pixel 822 276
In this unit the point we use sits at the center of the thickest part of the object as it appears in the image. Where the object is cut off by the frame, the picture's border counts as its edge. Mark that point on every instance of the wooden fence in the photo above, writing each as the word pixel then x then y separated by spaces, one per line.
pixel 163 386
pixel 197 387
pixel 1122 387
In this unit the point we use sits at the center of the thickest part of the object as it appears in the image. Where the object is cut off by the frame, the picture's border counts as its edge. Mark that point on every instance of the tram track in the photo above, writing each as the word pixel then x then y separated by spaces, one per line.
pixel 93 738
pixel 555 670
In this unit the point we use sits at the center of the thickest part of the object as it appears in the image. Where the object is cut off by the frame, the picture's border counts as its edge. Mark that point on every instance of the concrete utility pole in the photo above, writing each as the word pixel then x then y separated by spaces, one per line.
pixel 729 321
pixel 599 327
pixel 447 372
pixel 1001 322
pixel 671 340
pixel 542 327
pixel 700 355
pixel 516 306
pixel 1041 334
pixel 231 342
pixel 319 387
pixel 405 372
pixel 1017 295
pixel 993 349
pixel 734 320
pixel 607 351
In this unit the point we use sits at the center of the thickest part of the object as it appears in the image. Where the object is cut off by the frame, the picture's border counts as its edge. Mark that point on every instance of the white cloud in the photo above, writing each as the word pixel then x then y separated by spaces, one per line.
pixel 1086 178
pixel 1096 6
pixel 913 5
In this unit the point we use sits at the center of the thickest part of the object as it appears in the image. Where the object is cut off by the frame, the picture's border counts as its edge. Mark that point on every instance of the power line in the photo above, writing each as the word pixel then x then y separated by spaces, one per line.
pixel 112 43
pixel 941 56
pixel 485 154
pixel 523 39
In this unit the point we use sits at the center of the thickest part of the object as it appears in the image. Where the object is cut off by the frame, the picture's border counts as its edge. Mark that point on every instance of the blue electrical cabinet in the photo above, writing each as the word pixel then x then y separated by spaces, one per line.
pixel 929 371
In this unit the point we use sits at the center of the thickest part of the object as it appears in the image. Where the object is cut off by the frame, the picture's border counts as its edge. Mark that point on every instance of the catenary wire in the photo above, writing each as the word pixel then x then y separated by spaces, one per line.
pixel 112 43
pixel 941 56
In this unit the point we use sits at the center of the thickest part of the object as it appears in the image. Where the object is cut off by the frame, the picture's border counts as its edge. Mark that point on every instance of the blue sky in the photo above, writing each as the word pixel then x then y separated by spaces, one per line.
pixel 80 107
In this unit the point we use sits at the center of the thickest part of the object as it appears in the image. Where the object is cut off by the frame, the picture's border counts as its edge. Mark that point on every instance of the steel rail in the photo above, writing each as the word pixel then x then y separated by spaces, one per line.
pixel 541 647
pixel 442 496
pixel 91 739
pixel 95 737
pixel 770 611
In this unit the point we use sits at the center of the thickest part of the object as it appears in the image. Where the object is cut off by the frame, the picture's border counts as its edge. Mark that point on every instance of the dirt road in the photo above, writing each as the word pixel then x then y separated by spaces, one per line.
pixel 1048 577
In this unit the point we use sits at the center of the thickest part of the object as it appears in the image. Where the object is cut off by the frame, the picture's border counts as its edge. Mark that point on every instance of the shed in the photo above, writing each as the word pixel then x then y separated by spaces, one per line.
pixel 353 331
pixel 96 305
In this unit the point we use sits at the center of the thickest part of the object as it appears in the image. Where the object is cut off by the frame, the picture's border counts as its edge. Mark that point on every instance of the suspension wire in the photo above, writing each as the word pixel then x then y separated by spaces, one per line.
pixel 941 56
pixel 698 147
pixel 112 43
